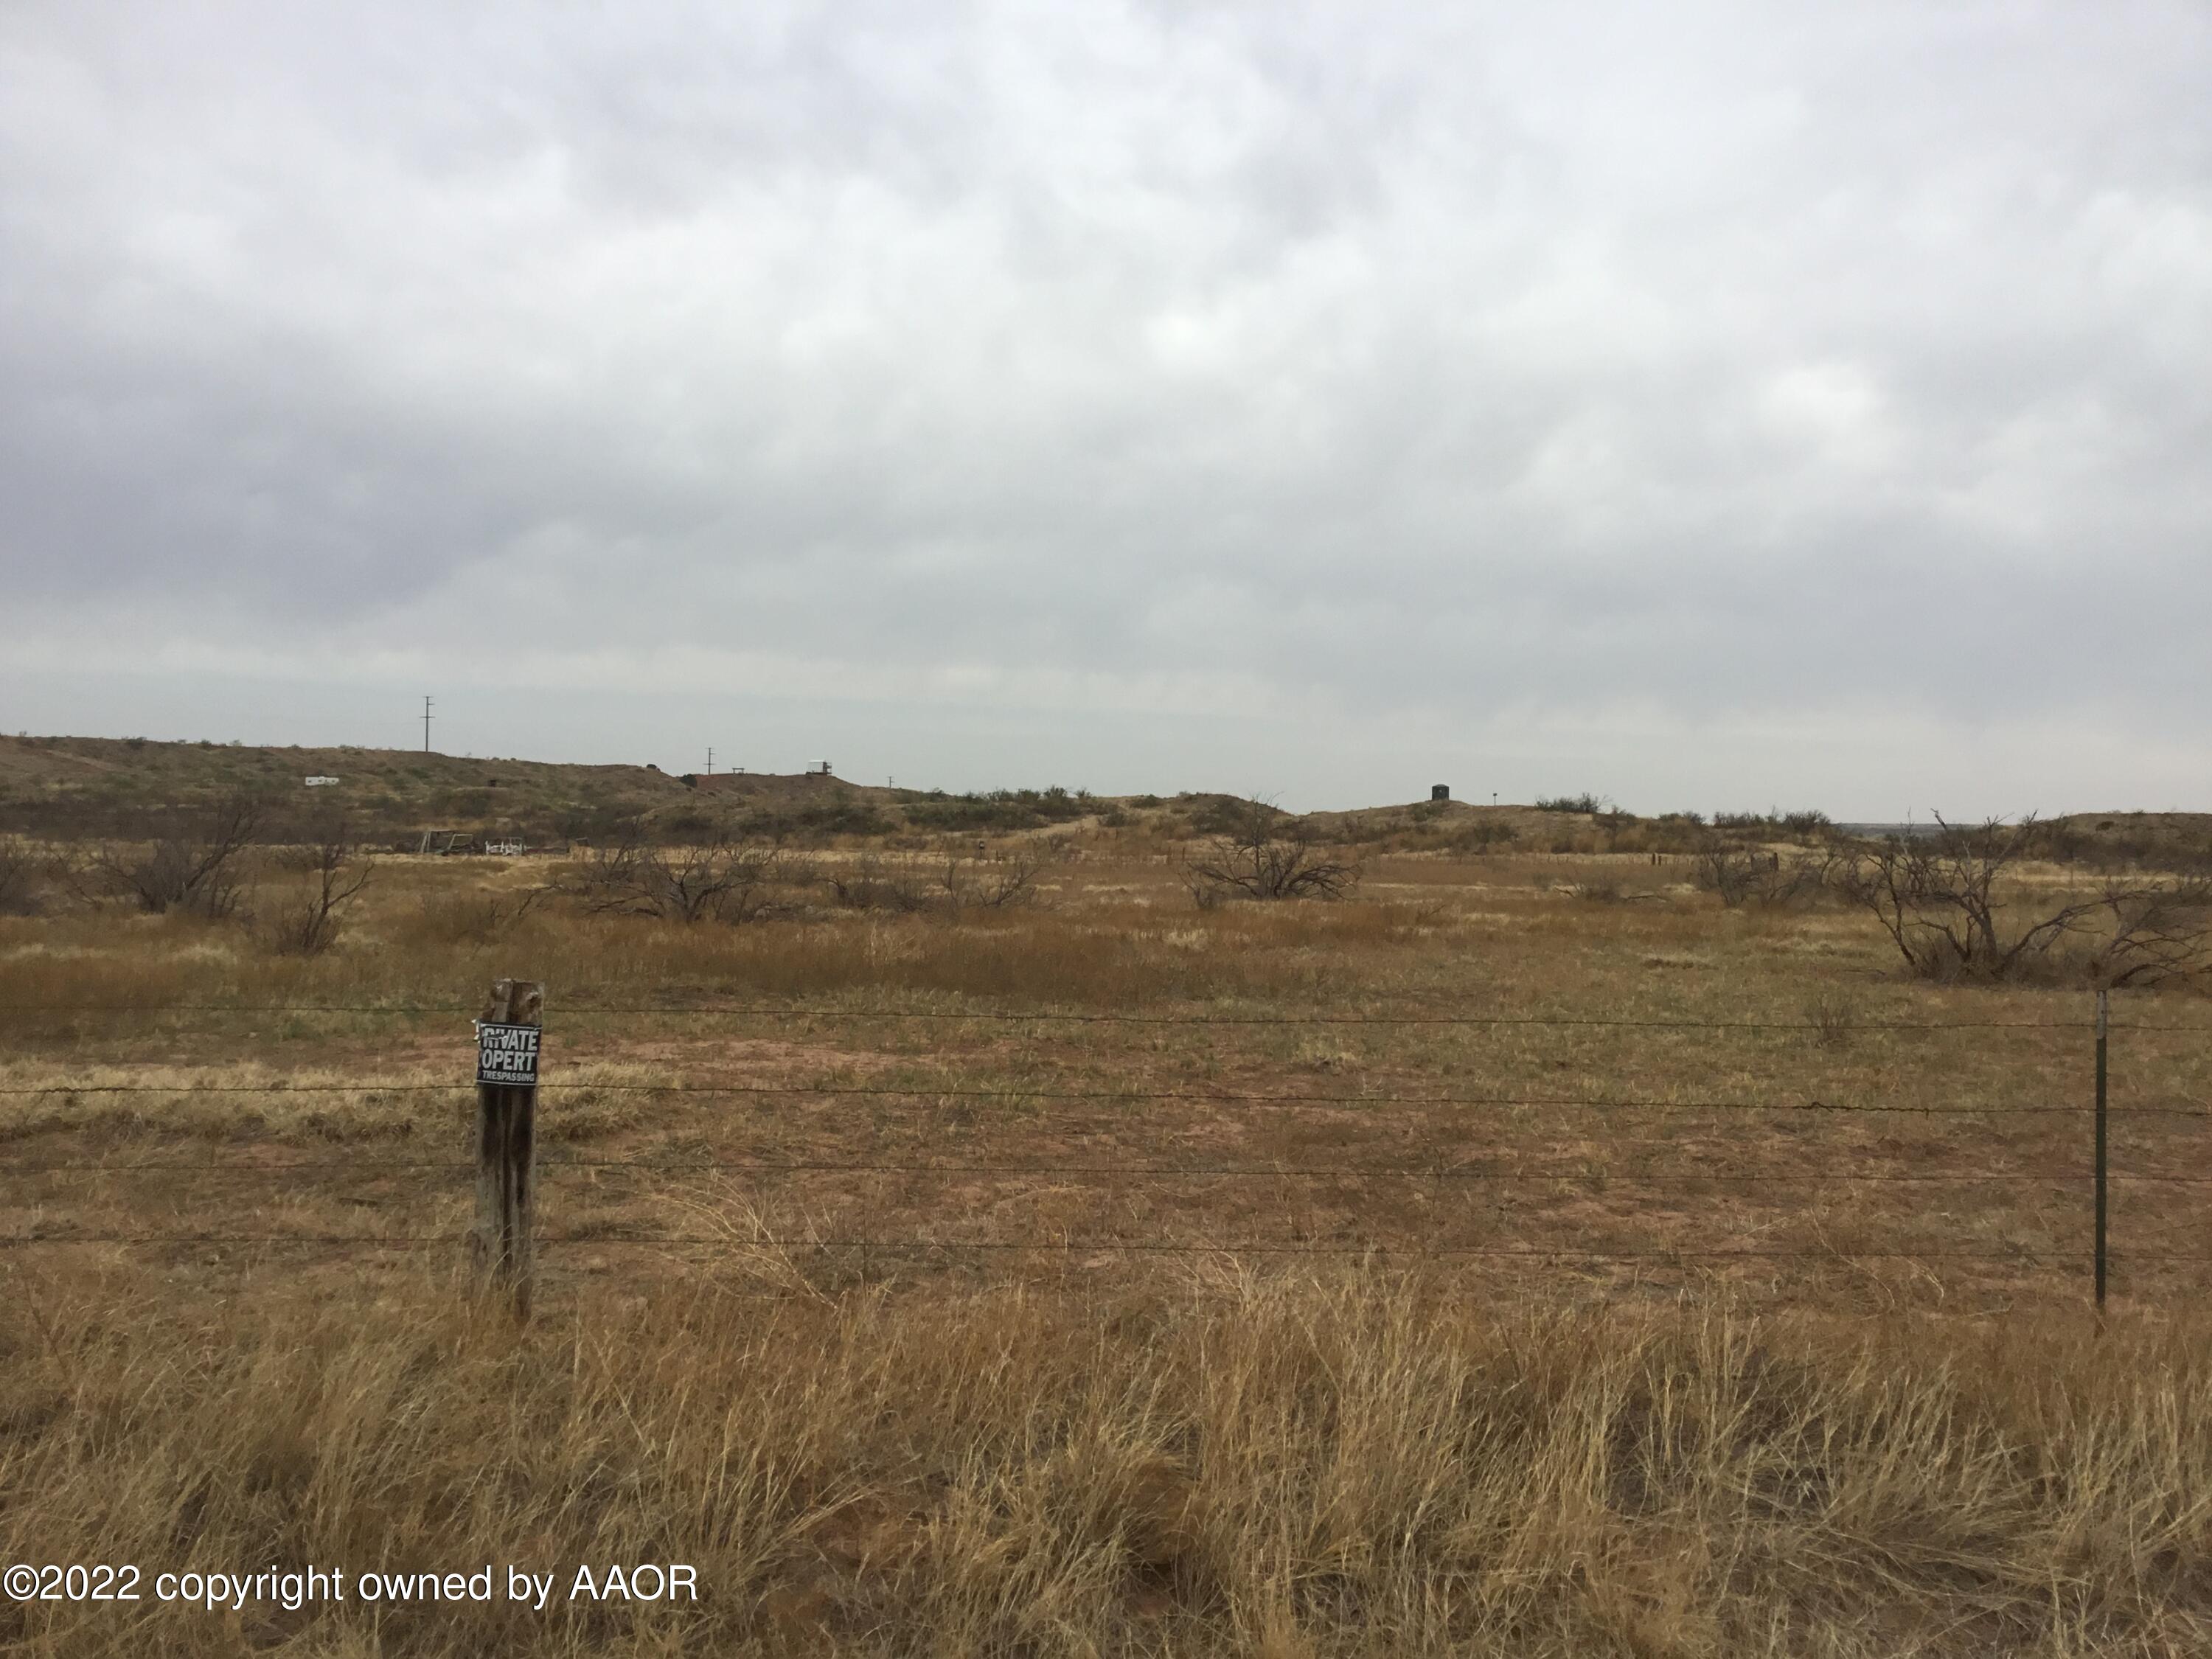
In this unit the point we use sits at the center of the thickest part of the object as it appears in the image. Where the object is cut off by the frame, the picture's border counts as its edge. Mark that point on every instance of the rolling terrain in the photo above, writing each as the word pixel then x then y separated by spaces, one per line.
pixel 977 1234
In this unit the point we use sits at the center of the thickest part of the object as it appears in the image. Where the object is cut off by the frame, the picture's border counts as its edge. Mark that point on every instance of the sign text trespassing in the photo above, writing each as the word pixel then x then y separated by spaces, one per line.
pixel 506 1053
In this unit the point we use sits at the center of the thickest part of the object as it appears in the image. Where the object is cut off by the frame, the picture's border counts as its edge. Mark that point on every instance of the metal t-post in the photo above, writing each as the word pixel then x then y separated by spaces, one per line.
pixel 2104 1009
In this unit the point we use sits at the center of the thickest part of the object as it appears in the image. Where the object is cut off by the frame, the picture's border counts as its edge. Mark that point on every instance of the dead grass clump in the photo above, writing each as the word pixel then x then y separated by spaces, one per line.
pixel 63 967
pixel 1834 1020
pixel 1017 956
pixel 473 918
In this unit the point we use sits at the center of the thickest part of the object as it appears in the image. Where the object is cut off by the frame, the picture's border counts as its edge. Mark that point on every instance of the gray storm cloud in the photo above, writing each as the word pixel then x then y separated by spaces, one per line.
pixel 1429 367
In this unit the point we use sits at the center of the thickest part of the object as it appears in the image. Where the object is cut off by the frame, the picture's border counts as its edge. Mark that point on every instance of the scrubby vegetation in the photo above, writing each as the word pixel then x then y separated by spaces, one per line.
pixel 1953 905
pixel 999 810
pixel 1588 1234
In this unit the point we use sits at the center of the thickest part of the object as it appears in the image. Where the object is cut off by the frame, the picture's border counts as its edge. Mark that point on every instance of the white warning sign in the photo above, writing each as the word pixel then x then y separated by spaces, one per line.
pixel 506 1053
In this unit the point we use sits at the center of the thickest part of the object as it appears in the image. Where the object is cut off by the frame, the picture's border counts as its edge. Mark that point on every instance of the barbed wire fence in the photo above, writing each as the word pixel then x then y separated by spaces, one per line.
pixel 2079 1125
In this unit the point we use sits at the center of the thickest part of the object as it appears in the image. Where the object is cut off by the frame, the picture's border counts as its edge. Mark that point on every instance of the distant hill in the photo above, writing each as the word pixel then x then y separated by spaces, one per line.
pixel 2161 826
pixel 2180 841
pixel 122 786
pixel 2157 837
pixel 112 785
pixel 73 786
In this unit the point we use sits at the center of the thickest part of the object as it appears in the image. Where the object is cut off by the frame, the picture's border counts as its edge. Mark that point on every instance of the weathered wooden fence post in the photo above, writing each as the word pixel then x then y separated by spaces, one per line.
pixel 503 1247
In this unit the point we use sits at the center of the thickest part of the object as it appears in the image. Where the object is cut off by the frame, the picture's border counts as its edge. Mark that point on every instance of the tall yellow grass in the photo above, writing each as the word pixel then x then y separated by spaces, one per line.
pixel 1348 1466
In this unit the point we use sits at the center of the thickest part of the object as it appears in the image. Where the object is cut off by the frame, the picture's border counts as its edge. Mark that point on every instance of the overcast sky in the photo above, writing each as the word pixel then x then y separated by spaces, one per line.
pixel 1706 405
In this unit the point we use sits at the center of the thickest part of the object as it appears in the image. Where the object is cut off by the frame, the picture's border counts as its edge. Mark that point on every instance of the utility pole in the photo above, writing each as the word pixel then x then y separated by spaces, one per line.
pixel 426 725
pixel 710 760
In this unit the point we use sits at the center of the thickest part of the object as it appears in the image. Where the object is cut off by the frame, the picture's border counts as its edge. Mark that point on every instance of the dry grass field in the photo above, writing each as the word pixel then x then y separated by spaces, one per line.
pixel 1529 1254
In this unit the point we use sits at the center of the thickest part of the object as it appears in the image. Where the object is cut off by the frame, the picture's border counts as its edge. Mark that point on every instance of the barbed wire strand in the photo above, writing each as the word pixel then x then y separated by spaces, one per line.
pixel 1105 1096
pixel 1649 1179
pixel 749 1012
pixel 1148 1246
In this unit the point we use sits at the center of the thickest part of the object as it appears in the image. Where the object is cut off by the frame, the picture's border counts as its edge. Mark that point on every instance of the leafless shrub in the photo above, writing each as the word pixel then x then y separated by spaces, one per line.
pixel 1255 861
pixel 1597 890
pixel 1953 905
pixel 21 877
pixel 879 884
pixel 194 866
pixel 2158 932
pixel 1007 883
pixel 487 917
pixel 1743 874
pixel 1727 869
pixel 336 870
pixel 910 886
pixel 721 879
